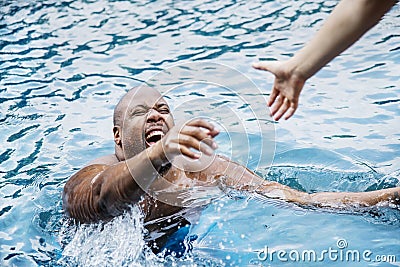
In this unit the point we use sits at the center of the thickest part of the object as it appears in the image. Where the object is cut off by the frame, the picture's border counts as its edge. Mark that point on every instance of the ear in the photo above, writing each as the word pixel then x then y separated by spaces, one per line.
pixel 117 135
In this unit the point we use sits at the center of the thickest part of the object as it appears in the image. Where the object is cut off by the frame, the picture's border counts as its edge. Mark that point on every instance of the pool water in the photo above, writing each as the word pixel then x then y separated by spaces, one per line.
pixel 65 64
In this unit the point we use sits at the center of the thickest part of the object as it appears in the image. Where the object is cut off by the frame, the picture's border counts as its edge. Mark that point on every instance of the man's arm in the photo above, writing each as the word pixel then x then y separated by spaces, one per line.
pixel 101 191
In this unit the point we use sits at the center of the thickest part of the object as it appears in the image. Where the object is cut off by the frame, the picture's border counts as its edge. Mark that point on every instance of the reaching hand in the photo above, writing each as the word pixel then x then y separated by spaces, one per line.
pixel 197 134
pixel 288 84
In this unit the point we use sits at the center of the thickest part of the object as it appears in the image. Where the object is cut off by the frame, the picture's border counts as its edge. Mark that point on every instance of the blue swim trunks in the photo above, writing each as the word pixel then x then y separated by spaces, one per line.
pixel 179 242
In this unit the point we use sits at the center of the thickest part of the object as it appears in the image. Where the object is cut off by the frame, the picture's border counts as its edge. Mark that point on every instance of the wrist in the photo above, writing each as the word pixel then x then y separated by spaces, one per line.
pixel 298 69
pixel 157 155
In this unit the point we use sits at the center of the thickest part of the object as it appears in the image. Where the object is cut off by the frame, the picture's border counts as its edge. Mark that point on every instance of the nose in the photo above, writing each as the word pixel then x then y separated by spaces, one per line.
pixel 154 116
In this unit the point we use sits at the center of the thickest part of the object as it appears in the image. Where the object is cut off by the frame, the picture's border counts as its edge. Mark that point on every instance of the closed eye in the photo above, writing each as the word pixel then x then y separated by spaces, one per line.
pixel 163 108
pixel 139 112
pixel 164 111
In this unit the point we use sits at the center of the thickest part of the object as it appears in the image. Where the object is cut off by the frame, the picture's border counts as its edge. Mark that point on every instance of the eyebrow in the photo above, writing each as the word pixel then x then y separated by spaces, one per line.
pixel 145 107
pixel 162 104
pixel 141 107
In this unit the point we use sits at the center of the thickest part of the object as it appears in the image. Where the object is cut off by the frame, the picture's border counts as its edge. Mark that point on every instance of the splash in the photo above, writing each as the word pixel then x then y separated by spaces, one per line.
pixel 119 242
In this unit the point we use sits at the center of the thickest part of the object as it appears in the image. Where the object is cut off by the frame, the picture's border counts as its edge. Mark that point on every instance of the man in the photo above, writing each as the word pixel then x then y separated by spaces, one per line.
pixel 145 169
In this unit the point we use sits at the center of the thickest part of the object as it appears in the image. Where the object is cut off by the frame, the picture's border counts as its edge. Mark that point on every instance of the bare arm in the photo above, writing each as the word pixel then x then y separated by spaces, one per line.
pixel 101 191
pixel 239 177
pixel 345 200
pixel 346 24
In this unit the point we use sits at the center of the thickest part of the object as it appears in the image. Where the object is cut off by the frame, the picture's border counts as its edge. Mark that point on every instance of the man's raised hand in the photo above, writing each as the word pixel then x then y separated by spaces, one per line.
pixel 196 134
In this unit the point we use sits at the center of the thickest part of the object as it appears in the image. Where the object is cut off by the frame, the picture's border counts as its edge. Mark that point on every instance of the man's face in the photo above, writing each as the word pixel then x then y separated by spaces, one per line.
pixel 146 121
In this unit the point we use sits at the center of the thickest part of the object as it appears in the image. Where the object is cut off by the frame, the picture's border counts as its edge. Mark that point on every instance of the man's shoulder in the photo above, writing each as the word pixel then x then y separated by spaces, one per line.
pixel 105 160
pixel 94 168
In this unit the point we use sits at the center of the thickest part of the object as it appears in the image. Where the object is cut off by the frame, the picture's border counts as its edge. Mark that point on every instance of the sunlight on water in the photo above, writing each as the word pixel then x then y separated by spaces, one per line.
pixel 65 64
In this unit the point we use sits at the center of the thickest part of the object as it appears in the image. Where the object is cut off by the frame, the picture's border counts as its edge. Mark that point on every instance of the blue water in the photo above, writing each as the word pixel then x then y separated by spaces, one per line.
pixel 65 64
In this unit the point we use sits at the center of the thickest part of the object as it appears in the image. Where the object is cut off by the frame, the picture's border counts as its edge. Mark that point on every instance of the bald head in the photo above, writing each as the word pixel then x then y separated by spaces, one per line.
pixel 134 95
pixel 139 109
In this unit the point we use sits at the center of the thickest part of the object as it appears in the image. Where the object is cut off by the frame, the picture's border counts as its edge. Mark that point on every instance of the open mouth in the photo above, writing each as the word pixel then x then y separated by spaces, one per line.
pixel 153 137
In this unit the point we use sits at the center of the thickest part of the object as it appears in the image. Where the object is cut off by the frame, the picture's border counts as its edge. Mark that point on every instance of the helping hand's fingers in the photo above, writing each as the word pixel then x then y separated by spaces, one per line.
pixel 282 110
pixel 258 66
pixel 277 105
pixel 291 111
pixel 267 66
pixel 274 94
pixel 287 85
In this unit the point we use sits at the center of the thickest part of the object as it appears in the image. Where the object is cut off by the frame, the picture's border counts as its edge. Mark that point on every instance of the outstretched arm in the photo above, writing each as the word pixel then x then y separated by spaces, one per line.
pixel 101 191
pixel 241 178
pixel 345 200
pixel 346 24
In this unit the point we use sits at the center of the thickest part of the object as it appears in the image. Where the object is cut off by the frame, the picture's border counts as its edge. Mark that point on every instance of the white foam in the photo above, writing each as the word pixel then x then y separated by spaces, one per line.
pixel 119 242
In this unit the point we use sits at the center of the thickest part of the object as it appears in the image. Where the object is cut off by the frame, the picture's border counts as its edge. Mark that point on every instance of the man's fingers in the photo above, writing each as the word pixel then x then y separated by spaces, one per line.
pixel 191 142
pixel 214 133
pixel 200 134
pixel 205 124
pixel 189 153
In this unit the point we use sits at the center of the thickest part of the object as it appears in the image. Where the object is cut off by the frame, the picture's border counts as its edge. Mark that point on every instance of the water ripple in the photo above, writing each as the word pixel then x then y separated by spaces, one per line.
pixel 64 65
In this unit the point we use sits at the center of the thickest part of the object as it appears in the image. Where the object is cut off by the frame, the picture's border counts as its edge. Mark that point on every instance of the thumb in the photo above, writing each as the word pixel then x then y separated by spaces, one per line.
pixel 267 66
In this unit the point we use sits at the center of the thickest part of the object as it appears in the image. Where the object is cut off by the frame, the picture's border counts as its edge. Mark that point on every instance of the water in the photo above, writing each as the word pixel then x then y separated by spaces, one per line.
pixel 64 65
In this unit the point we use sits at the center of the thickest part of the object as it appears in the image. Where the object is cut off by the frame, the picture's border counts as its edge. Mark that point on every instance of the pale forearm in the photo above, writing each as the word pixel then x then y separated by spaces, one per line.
pixel 332 200
pixel 351 200
pixel 241 178
pixel 346 24
pixel 276 190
